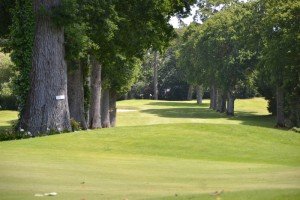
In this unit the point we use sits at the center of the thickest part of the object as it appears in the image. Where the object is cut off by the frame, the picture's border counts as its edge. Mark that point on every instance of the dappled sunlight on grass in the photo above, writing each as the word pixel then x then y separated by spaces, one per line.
pixel 248 111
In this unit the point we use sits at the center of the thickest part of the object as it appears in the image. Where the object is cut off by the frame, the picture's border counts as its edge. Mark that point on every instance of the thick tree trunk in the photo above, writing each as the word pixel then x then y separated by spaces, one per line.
pixel 199 93
pixel 280 106
pixel 95 105
pixel 155 76
pixel 190 93
pixel 47 107
pixel 230 104
pixel 112 108
pixel 76 95
pixel 105 109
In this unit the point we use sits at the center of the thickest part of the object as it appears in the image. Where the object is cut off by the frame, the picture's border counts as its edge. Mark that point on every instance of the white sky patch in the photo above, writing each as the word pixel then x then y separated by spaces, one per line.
pixel 175 22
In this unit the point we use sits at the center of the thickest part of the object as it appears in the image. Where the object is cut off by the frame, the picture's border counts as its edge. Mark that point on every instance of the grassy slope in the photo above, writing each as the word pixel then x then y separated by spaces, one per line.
pixel 161 150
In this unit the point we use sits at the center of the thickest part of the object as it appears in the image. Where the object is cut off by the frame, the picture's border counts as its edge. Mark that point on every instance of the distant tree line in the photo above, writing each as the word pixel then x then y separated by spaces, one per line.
pixel 247 45
pixel 239 50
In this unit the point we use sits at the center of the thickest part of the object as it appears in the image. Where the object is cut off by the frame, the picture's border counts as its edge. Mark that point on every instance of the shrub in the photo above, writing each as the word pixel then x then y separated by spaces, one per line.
pixel 76 126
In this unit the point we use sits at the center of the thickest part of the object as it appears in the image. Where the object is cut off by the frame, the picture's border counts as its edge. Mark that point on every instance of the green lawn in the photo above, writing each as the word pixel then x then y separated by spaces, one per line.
pixel 160 150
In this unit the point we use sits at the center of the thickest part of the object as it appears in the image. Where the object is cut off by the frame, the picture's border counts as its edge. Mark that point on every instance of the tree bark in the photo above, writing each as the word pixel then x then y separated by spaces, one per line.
pixel 190 93
pixel 155 76
pixel 221 101
pixel 215 98
pixel 105 109
pixel 230 104
pixel 280 106
pixel 211 93
pixel 223 106
pixel 76 95
pixel 47 107
pixel 112 108
pixel 199 93
pixel 95 105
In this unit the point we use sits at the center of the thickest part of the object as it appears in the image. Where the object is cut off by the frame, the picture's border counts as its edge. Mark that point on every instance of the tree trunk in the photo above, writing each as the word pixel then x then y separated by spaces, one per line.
pixel 87 94
pixel 215 98
pixel 76 95
pixel 190 93
pixel 280 106
pixel 47 107
pixel 211 93
pixel 219 100
pixel 230 104
pixel 223 106
pixel 199 94
pixel 112 108
pixel 105 109
pixel 95 105
pixel 155 76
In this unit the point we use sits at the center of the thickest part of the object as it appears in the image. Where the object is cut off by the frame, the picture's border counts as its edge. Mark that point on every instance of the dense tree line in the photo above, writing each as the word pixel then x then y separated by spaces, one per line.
pixel 73 58
pixel 245 45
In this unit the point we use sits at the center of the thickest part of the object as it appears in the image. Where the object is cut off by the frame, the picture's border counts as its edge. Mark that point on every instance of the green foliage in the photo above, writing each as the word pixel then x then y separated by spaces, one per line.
pixel 217 53
pixel 75 125
pixel 5 19
pixel 11 134
pixel 21 44
pixel 66 13
pixel 280 59
pixel 121 74
pixel 77 43
pixel 6 74
pixel 7 99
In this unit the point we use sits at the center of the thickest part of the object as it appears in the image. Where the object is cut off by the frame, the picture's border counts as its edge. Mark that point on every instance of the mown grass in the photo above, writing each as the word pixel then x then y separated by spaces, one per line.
pixel 160 150
pixel 147 112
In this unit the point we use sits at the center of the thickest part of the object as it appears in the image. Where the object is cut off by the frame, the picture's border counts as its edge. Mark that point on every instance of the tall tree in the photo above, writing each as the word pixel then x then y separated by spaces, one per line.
pixel 47 105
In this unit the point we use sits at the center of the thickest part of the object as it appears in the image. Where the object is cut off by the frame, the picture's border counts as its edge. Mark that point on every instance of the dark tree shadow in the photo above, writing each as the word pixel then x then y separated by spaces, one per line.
pixel 194 111
pixel 178 104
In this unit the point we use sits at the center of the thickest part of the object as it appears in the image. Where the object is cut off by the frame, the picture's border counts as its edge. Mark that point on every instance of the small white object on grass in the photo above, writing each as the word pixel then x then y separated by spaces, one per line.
pixel 50 194
pixel 38 195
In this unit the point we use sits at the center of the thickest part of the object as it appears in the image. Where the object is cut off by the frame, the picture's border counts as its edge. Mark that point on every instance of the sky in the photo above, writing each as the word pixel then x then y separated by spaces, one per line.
pixel 175 23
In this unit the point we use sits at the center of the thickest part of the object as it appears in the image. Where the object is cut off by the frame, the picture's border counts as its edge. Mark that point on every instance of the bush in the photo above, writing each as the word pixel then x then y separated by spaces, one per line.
pixel 10 134
pixel 76 126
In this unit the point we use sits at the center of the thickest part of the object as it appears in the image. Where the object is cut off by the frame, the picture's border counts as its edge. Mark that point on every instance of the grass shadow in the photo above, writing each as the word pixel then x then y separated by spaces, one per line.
pixel 178 104
pixel 194 111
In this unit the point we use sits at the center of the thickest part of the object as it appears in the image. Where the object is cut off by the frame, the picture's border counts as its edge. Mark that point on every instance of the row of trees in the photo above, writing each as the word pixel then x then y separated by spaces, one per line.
pixel 74 57
pixel 246 44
